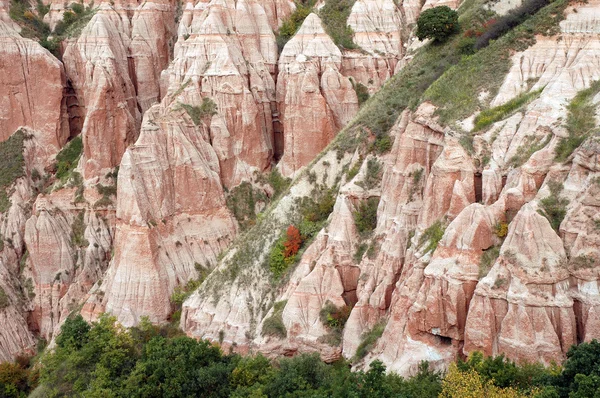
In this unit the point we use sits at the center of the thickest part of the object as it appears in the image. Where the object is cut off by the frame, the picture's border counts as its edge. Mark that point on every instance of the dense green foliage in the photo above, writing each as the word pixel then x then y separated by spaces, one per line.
pixel 67 158
pixel 437 23
pixel 273 325
pixel 432 236
pixel 492 115
pixel 579 123
pixel 4 302
pixel 242 201
pixel 553 206
pixel 106 360
pixel 32 25
pixel 11 165
pixel 334 16
pixel 368 340
pixel 362 92
pixel 290 26
pixel 198 113
pixel 365 216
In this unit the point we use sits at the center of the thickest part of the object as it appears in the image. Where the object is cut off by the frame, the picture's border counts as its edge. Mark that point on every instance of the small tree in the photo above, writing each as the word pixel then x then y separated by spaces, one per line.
pixel 437 23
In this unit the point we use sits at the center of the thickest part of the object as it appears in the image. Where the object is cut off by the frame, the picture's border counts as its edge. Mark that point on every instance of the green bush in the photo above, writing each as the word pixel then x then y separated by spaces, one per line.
pixel 488 258
pixel 373 174
pixel 531 145
pixel 492 115
pixel 290 26
pixel 278 182
pixel 11 159
pixel 67 158
pixel 554 207
pixel 78 231
pixel 334 16
pixel 273 325
pixel 433 235
pixel 365 216
pixel 360 252
pixel 368 340
pixel 362 92
pixel 197 113
pixel 242 201
pixel 4 301
pixel 437 23
pixel 579 123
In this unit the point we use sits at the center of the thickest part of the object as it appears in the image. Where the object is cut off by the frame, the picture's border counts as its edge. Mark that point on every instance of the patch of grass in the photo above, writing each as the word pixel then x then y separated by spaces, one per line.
pixel 67 158
pixel 334 319
pixel 488 258
pixel 4 301
pixel 501 229
pixel 492 115
pixel 531 145
pixel 360 252
pixel 457 92
pixel 11 159
pixel 242 201
pixel 580 122
pixel 197 113
pixel 368 340
pixel 554 207
pixel 416 179
pixel 584 261
pixel 362 92
pixel 365 216
pixel 373 174
pixel 290 26
pixel 181 293
pixel 278 182
pixel 433 235
pixel 334 15
pixel 33 27
pixel 273 326
pixel 78 231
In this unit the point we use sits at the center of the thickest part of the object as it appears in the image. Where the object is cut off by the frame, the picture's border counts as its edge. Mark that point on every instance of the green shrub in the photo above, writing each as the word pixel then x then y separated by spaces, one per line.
pixel 278 263
pixel 437 23
pixel 382 144
pixel 67 158
pixel 488 258
pixel 579 123
pixel 362 92
pixel 368 340
pixel 554 207
pixel 242 201
pixel 11 160
pixel 4 301
pixel 334 16
pixel 181 293
pixel 334 319
pixel 531 145
pixel 492 115
pixel 290 26
pixel 365 216
pixel 360 251
pixel 273 325
pixel 373 174
pixel 433 235
pixel 197 113
pixel 78 231
pixel 278 182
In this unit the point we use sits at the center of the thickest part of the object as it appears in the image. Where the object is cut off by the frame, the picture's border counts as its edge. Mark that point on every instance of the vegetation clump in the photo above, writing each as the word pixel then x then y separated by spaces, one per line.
pixel 334 16
pixel 4 302
pixel 198 113
pixel 580 124
pixel 531 145
pixel 433 235
pixel 67 158
pixel 365 216
pixel 78 231
pixel 437 23
pixel 488 258
pixel 290 26
pixel 273 325
pixel 362 92
pixel 554 207
pixel 284 251
pixel 334 319
pixel 242 201
pixel 492 115
pixel 368 340
pixel 11 166
pixel 373 174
